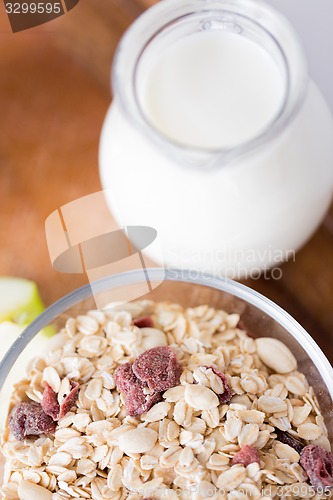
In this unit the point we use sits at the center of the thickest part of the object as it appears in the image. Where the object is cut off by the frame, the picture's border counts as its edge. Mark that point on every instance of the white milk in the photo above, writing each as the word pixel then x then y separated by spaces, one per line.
pixel 213 89
pixel 216 89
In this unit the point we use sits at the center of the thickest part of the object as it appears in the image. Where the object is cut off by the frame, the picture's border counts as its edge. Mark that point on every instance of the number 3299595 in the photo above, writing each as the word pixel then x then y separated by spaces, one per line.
pixel 33 8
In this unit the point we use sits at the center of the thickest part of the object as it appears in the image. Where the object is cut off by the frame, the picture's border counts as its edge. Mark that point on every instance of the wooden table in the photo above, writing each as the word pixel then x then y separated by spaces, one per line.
pixel 54 93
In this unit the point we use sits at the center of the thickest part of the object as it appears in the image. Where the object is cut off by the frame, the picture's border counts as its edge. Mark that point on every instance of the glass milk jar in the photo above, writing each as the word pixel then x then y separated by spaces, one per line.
pixel 216 136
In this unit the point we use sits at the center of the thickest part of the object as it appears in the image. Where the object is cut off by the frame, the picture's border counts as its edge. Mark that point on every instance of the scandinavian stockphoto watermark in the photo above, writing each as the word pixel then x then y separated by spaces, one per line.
pixel 27 14
pixel 234 263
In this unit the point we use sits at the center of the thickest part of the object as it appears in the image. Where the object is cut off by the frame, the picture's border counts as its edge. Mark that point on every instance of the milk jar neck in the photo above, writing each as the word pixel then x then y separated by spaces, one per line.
pixel 168 22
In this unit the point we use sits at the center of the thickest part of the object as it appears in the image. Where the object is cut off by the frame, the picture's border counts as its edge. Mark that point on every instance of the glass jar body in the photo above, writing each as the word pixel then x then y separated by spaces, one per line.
pixel 249 214
pixel 227 211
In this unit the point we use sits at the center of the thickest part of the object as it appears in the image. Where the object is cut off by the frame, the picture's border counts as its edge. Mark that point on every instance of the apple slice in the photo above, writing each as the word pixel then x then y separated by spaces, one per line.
pixel 20 303
pixel 19 300
pixel 9 331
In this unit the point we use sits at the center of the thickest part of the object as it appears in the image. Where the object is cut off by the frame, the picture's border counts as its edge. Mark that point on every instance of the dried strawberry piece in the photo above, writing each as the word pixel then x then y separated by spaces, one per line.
pixel 29 419
pixel 136 401
pixel 227 394
pixel 143 322
pixel 286 438
pixel 318 464
pixel 17 420
pixel 69 400
pixel 126 379
pixel 158 368
pixel 246 456
pixel 37 422
pixel 50 403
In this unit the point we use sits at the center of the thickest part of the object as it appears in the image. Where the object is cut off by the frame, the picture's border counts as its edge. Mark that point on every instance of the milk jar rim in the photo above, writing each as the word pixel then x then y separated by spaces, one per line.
pixel 169 20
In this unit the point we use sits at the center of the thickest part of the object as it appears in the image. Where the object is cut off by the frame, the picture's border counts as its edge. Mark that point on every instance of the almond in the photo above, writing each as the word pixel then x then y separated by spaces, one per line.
pixel 28 490
pixel 276 355
pixel 138 440
pixel 200 397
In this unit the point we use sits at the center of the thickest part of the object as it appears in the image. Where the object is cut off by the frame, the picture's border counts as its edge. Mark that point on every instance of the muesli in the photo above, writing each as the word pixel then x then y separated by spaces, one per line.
pixel 154 401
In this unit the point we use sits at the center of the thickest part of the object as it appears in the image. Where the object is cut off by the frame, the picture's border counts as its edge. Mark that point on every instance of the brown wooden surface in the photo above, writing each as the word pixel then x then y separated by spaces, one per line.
pixel 54 92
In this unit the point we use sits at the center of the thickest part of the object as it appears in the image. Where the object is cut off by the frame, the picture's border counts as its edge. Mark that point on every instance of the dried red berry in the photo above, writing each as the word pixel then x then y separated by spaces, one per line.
pixel 125 378
pixel 158 368
pixel 29 419
pixel 37 422
pixel 286 438
pixel 318 464
pixel 50 403
pixel 143 322
pixel 143 381
pixel 227 394
pixel 17 420
pixel 246 456
pixel 70 399
pixel 136 401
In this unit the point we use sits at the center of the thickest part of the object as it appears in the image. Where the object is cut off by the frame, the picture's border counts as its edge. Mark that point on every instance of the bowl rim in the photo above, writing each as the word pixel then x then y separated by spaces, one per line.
pixel 239 290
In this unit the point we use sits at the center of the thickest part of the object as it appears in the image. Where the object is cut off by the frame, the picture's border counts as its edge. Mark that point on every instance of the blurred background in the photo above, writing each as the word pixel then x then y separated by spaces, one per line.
pixel 54 93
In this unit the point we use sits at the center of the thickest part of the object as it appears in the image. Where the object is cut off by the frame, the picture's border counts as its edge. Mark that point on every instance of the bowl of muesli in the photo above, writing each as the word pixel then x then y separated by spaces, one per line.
pixel 201 388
